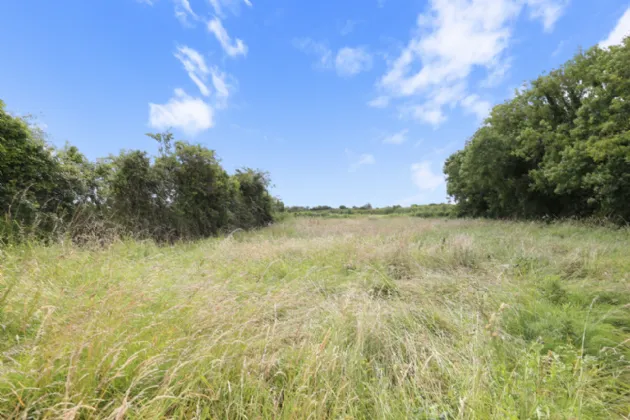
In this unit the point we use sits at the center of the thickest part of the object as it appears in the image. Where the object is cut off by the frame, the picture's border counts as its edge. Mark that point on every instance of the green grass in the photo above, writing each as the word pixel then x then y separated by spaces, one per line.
pixel 323 318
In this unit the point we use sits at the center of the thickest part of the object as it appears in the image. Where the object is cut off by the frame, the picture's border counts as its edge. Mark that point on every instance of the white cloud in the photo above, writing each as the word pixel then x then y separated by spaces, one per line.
pixel 199 72
pixel 380 102
pixel 428 113
pixel 191 115
pixel 396 138
pixel 620 31
pixel 548 11
pixel 431 111
pixel 231 48
pixel 347 62
pixel 351 61
pixel 358 161
pixel 219 6
pixel 321 51
pixel 221 86
pixel 196 67
pixel 475 105
pixel 219 83
pixel 497 73
pixel 461 35
pixel 452 39
pixel 183 12
pixel 365 159
pixel 424 178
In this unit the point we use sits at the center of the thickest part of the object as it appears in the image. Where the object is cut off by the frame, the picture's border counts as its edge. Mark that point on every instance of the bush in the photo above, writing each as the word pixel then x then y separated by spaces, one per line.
pixel 183 193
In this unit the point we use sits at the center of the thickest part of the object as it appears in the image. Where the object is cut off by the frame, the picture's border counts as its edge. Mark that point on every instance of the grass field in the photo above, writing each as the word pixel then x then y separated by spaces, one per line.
pixel 323 318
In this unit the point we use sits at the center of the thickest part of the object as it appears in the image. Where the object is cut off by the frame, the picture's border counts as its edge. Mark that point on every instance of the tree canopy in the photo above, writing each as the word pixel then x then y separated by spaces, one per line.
pixel 559 148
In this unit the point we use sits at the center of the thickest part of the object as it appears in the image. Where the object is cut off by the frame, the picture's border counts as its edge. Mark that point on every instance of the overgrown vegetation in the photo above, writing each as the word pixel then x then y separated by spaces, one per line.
pixel 367 318
pixel 559 148
pixel 183 193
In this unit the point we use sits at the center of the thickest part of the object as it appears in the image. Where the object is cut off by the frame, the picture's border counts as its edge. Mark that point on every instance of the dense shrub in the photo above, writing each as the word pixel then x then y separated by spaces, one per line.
pixel 559 148
pixel 183 193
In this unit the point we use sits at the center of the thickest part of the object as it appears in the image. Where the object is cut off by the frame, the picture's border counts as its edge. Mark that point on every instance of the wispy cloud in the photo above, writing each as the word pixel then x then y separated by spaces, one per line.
pixel 221 86
pixel 619 32
pixel 352 61
pixel 452 39
pixel 497 73
pixel 379 102
pixel 365 159
pixel 186 112
pixel 396 138
pixel 358 161
pixel 184 13
pixel 547 11
pixel 191 115
pixel 199 72
pixel 231 48
pixel 319 49
pixel 427 113
pixel 347 62
pixel 424 178
pixel 221 6
pixel 473 104
pixel 196 67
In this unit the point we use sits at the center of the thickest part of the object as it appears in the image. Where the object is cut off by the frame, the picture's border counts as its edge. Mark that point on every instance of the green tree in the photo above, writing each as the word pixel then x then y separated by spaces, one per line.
pixel 37 190
pixel 255 204
pixel 559 148
pixel 182 193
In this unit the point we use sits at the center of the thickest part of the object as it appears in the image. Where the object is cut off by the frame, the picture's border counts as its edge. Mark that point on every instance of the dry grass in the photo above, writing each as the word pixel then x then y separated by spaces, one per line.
pixel 342 318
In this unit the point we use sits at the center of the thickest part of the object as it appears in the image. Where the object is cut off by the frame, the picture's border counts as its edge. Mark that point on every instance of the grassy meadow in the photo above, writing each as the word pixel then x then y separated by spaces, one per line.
pixel 365 317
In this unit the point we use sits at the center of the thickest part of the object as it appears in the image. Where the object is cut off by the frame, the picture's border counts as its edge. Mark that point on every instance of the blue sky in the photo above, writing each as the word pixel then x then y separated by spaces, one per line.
pixel 343 102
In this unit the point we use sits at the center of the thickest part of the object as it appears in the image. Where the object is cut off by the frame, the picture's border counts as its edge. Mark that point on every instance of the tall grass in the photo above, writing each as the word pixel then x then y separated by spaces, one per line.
pixel 323 318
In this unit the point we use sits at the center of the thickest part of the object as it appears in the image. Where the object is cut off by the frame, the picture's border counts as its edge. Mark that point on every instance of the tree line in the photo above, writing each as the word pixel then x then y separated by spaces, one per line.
pixel 182 193
pixel 415 210
pixel 559 148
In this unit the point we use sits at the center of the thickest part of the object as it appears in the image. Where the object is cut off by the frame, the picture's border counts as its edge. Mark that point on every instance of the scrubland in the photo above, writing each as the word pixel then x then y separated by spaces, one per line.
pixel 362 317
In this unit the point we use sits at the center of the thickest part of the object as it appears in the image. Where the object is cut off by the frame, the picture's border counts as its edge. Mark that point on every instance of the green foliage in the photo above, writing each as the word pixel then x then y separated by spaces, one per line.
pixel 560 148
pixel 133 184
pixel 39 187
pixel 254 205
pixel 183 193
pixel 415 210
